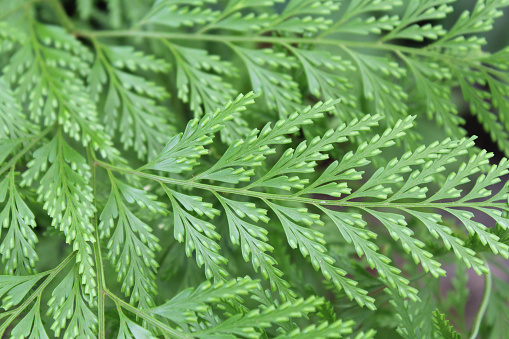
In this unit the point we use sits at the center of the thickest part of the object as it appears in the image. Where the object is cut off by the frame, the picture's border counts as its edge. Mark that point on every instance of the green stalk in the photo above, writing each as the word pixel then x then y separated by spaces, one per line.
pixel 261 195
pixel 101 284
pixel 484 304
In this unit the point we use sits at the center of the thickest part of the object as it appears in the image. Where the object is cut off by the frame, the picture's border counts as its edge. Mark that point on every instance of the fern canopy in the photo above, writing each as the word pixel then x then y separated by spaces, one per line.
pixel 141 196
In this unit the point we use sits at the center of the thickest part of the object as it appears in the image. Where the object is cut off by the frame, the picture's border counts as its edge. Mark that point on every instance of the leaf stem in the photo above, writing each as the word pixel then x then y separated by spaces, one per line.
pixel 223 38
pixel 474 60
pixel 37 293
pixel 169 330
pixel 256 39
pixel 485 300
pixel 317 202
pixel 101 284
pixel 26 149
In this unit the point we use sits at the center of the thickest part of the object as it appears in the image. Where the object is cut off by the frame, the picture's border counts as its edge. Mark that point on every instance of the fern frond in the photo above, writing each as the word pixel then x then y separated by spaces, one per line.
pixel 378 188
pixel 31 326
pixel 388 97
pixel 142 123
pixel 321 35
pixel 443 327
pixel 320 68
pixel 302 16
pixel 64 189
pixel 328 206
pixel 194 306
pixel 129 329
pixel 132 245
pixel 232 18
pixel 178 13
pixel 181 152
pixel 233 165
pixel 67 303
pixel 45 72
pixel 13 289
pixel 281 91
pixel 431 86
pixel 203 91
pixel 253 241
pixel 247 323
pixel 416 12
pixel 200 236
pixel 18 245
pixel 181 308
pixel 336 329
pixel 407 328
pixel 119 12
pixel 14 123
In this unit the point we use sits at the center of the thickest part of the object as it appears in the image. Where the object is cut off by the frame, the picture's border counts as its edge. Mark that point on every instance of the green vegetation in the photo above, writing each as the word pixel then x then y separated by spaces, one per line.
pixel 143 196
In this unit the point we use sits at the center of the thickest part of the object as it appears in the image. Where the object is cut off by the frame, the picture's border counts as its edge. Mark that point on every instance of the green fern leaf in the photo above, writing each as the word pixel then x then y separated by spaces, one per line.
pixel 443 327
pixel 328 206
pixel 54 56
pixel 129 329
pixel 142 122
pixel 18 246
pixel 181 308
pixel 132 246
pixel 64 189
pixel 13 289
pixel 67 303
pixel 31 326
pixel 180 152
pixel 14 123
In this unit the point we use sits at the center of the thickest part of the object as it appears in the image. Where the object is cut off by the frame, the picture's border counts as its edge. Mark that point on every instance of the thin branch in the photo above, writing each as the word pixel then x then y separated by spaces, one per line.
pixel 313 201
pixel 101 281
pixel 484 304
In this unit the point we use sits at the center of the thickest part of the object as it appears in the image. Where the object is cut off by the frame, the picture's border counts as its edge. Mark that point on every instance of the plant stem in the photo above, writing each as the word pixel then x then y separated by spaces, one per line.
pixel 253 38
pixel 26 149
pixel 313 201
pixel 37 293
pixel 277 40
pixel 484 304
pixel 474 60
pixel 140 313
pixel 101 284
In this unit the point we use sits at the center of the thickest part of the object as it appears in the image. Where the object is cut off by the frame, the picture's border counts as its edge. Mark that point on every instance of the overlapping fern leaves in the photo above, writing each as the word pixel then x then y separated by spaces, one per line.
pixel 323 43
pixel 383 198
pixel 71 95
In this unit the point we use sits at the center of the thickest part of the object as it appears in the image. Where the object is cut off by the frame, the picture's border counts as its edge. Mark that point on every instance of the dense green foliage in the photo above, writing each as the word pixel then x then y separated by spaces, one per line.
pixel 141 195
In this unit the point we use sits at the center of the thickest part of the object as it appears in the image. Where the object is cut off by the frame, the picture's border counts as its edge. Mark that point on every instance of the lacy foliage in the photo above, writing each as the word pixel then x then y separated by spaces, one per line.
pixel 94 173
